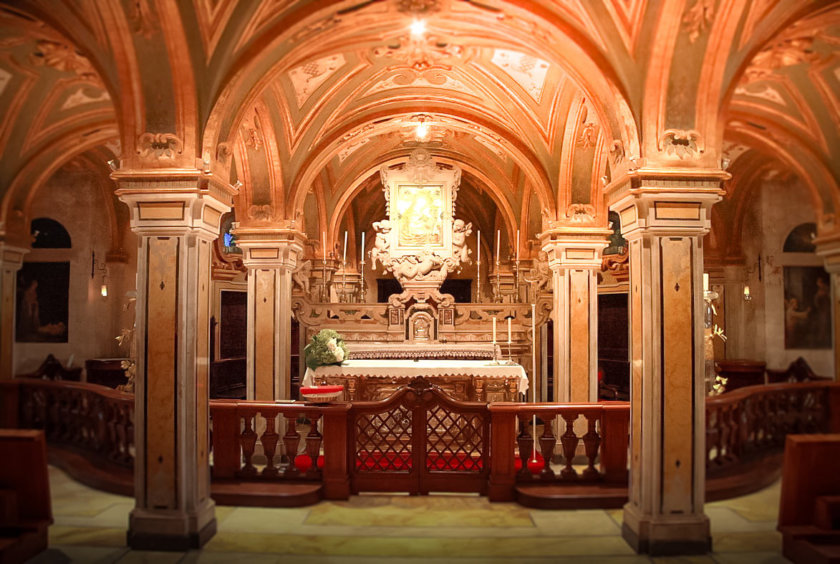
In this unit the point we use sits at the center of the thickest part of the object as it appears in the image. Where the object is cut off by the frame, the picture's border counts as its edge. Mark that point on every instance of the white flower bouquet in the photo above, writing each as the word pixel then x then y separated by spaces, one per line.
pixel 326 348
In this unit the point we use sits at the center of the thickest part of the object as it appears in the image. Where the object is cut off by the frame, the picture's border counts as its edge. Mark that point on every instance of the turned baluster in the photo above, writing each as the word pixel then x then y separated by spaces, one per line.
pixel 526 445
pixel 547 442
pixel 247 441
pixel 291 441
pixel 269 442
pixel 591 442
pixel 313 445
pixel 569 441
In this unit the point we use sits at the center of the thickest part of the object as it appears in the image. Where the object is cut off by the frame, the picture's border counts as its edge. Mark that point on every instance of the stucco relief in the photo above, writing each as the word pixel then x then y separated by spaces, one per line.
pixel 698 18
pixel 527 71
pixel 159 146
pixel 308 77
pixel 82 96
pixel 765 92
pixel 683 144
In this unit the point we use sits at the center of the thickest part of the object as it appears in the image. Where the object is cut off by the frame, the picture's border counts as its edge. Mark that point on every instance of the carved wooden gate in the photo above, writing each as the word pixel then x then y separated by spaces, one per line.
pixel 418 441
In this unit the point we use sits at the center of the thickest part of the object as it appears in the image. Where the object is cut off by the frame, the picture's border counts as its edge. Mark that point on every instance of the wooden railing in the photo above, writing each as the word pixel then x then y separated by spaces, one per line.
pixel 743 428
pixel 752 422
pixel 603 431
pixel 95 419
pixel 238 425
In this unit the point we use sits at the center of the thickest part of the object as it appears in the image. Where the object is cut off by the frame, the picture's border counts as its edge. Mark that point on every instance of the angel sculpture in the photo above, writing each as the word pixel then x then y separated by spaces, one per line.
pixel 460 232
pixel 381 246
pixel 301 274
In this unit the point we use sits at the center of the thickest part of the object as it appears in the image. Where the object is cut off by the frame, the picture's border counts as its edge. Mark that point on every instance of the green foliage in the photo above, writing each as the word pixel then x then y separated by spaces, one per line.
pixel 327 347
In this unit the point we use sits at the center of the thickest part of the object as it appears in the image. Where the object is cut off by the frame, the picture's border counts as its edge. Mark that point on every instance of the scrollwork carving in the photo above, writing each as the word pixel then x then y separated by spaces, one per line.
pixel 159 146
pixel 684 144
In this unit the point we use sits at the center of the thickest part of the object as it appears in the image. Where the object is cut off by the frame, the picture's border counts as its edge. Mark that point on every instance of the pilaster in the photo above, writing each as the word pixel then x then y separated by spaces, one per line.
pixel 664 216
pixel 176 215
pixel 11 259
pixel 574 256
pixel 270 255
pixel 828 246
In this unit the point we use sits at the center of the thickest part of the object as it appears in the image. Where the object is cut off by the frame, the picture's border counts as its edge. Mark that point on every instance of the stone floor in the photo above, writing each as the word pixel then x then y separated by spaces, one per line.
pixel 90 526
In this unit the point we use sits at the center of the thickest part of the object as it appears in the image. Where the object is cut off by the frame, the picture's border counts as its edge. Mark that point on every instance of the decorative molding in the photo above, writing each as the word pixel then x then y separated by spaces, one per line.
pixel 795 49
pixel 422 54
pixel 581 213
pixel 63 57
pixel 527 71
pixel 252 132
pixel 309 76
pixel 683 144
pixel 617 151
pixel 418 7
pixel 159 146
pixel 698 18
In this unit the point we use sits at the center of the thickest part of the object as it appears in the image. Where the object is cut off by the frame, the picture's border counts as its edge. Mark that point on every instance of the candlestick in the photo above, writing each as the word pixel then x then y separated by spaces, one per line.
pixel 362 271
pixel 344 256
pixel 534 353
pixel 510 341
pixel 509 320
pixel 705 281
pixel 517 244
pixel 478 248
pixel 363 246
pixel 498 238
pixel 324 245
pixel 494 334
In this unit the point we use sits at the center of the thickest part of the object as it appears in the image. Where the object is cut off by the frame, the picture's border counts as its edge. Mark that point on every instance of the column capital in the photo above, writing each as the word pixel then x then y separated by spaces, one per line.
pixel 174 201
pixel 574 246
pixel 270 246
pixel 11 256
pixel 828 247
pixel 666 201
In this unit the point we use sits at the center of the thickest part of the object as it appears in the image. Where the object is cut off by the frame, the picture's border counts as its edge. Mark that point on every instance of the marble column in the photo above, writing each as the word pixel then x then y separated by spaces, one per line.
pixel 11 259
pixel 664 216
pixel 829 248
pixel 574 256
pixel 176 218
pixel 270 255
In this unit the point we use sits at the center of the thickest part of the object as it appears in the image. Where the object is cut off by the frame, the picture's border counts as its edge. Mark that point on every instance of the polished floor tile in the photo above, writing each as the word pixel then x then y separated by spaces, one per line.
pixel 90 526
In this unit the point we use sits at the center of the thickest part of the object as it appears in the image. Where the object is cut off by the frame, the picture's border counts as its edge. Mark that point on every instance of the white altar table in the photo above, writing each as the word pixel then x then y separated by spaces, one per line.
pixel 465 380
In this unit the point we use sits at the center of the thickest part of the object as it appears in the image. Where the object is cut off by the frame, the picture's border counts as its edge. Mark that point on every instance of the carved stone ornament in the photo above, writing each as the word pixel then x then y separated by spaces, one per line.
pixel 698 18
pixel 683 144
pixel 420 243
pixel 159 146
pixel 617 151
pixel 261 212
pixel 580 213
pixel 301 276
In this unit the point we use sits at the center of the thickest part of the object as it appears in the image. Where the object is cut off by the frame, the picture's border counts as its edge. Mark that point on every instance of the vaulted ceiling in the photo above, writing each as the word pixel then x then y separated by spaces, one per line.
pixel 539 102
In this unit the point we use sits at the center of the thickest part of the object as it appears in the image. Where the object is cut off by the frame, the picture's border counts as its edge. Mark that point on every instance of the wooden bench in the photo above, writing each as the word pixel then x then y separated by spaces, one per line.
pixel 25 510
pixel 809 513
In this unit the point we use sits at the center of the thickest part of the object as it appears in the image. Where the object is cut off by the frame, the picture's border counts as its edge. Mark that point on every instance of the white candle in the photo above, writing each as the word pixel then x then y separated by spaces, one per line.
pixel 344 256
pixel 494 333
pixel 324 244
pixel 498 239
pixel 363 247
pixel 517 244
pixel 478 248
pixel 509 321
pixel 705 281
pixel 534 353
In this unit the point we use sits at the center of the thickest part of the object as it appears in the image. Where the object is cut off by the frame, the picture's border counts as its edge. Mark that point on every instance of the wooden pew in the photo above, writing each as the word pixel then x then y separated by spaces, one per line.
pixel 809 512
pixel 25 510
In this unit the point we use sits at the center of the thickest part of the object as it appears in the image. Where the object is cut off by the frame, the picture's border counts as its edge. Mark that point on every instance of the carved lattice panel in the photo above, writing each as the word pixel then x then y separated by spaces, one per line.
pixel 384 441
pixel 454 441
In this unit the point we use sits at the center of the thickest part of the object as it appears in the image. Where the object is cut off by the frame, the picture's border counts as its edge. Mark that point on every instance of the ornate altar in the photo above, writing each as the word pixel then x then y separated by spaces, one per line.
pixel 464 380
pixel 420 243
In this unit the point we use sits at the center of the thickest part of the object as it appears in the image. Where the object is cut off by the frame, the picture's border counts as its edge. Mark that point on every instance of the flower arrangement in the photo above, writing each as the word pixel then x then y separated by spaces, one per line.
pixel 327 347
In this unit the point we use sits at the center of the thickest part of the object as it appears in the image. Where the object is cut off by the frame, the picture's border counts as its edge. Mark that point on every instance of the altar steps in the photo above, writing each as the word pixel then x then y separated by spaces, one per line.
pixel 571 496
pixel 266 494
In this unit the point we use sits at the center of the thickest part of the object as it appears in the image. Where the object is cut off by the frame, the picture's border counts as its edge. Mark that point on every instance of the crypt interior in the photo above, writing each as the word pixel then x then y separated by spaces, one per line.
pixel 596 229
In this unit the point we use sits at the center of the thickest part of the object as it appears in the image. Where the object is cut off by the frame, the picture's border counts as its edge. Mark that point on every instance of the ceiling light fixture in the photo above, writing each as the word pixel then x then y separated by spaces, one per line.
pixel 418 28
pixel 422 131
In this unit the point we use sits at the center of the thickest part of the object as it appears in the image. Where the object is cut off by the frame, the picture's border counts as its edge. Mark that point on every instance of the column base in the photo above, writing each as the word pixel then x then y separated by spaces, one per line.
pixel 170 530
pixel 677 535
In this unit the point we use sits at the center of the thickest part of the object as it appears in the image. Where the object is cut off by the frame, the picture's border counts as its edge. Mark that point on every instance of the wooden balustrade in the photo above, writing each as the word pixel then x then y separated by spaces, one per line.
pixel 239 425
pixel 86 417
pixel 604 434
pixel 752 422
pixel 590 441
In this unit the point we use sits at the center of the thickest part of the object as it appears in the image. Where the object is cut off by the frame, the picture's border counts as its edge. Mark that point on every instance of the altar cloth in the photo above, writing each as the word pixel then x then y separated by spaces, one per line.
pixel 401 368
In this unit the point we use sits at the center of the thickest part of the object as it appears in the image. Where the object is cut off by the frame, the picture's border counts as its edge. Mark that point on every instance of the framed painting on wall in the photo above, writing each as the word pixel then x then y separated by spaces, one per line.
pixel 43 296
pixel 807 308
